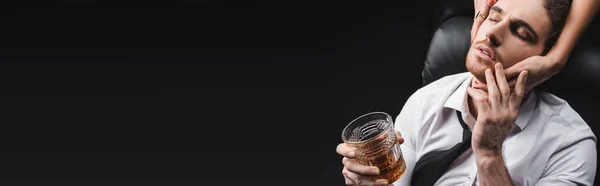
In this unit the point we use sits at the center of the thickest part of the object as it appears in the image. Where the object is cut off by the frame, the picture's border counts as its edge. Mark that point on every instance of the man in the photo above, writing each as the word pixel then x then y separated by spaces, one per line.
pixel 515 135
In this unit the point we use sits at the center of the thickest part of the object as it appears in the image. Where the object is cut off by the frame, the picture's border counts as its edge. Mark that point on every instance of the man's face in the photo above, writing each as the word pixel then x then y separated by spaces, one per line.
pixel 513 31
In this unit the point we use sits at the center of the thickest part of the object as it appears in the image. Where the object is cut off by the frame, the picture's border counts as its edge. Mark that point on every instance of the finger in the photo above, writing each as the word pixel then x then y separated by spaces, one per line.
pixel 475 28
pixel 382 182
pixel 357 178
pixel 482 11
pixel 502 84
pixel 479 99
pixel 347 179
pixel 519 92
pixel 399 138
pixel 479 85
pixel 344 150
pixel 485 10
pixel 513 72
pixel 511 83
pixel 353 166
pixel 493 94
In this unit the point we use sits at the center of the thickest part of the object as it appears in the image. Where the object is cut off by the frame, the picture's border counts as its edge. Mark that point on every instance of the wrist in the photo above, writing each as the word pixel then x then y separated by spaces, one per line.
pixel 482 153
pixel 556 62
pixel 489 159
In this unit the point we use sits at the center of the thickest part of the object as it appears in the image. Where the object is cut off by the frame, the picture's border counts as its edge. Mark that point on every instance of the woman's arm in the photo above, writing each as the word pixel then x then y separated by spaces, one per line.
pixel 544 67
pixel 581 14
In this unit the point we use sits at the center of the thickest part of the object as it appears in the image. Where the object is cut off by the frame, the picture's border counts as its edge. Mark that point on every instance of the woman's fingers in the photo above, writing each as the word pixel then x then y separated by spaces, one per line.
pixel 513 72
pixel 480 99
pixel 502 84
pixel 474 29
pixel 476 24
pixel 477 84
pixel 482 9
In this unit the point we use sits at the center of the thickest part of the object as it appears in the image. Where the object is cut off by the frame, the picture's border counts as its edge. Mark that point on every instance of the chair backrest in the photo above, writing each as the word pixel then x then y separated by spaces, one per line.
pixel 447 50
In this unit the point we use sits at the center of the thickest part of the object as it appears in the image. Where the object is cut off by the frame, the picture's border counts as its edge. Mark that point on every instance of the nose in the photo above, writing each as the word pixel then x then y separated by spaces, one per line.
pixel 494 41
pixel 496 32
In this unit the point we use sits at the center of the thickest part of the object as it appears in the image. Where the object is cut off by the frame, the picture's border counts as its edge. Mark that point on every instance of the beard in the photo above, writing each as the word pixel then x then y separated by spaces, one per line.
pixel 476 65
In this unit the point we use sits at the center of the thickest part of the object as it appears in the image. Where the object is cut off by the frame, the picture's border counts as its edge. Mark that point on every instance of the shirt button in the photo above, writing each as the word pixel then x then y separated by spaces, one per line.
pixel 468 177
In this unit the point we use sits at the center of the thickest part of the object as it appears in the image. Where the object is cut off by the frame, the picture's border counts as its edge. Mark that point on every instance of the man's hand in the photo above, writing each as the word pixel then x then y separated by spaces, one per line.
pixel 541 69
pixel 497 111
pixel 483 6
pixel 357 174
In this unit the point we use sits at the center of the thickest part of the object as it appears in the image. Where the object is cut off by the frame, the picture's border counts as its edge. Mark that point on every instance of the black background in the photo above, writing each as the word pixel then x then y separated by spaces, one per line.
pixel 198 92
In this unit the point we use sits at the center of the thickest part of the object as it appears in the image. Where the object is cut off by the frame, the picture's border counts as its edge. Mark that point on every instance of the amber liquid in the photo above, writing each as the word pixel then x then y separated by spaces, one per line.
pixel 386 156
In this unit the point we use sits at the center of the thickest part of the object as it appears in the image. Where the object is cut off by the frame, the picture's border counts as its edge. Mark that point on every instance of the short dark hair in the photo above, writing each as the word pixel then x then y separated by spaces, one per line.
pixel 558 10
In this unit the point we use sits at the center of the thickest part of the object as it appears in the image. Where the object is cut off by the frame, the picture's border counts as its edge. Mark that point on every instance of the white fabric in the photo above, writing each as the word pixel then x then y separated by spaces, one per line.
pixel 552 144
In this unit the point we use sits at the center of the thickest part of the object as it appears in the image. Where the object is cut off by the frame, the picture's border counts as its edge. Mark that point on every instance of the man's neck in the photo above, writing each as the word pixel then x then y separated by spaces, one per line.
pixel 472 106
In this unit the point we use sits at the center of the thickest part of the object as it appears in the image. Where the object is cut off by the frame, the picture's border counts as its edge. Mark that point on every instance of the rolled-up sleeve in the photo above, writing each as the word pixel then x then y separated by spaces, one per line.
pixel 574 163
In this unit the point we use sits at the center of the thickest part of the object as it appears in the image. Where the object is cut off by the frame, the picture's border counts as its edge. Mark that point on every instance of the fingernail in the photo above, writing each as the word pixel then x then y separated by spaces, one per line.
pixel 375 170
pixel 352 153
pixel 382 182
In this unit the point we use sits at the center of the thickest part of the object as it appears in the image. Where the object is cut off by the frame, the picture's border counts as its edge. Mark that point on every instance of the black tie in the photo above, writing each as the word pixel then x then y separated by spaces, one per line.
pixel 434 164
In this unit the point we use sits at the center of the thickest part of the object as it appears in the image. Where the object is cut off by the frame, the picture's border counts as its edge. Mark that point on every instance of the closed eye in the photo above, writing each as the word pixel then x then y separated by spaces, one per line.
pixel 525 36
pixel 492 20
pixel 522 30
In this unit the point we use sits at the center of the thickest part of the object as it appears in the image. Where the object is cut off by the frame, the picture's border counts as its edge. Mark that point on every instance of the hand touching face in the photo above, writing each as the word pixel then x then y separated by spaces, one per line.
pixel 513 31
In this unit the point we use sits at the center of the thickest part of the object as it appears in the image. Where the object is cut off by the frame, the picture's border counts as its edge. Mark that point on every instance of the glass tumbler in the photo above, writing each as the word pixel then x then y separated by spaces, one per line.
pixel 373 138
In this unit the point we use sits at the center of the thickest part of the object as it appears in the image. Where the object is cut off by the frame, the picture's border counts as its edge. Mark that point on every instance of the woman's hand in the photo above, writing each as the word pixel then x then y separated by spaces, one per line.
pixel 540 69
pixel 483 7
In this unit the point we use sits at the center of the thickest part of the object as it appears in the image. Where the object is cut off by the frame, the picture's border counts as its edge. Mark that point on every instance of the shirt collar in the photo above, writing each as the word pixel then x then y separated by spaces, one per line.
pixel 526 110
pixel 457 101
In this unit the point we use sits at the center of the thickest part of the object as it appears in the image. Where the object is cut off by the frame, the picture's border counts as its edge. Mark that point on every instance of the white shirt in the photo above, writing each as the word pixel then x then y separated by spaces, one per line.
pixel 552 144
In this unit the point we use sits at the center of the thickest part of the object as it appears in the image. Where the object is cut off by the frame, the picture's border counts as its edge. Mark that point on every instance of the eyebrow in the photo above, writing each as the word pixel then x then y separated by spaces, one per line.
pixel 497 9
pixel 519 22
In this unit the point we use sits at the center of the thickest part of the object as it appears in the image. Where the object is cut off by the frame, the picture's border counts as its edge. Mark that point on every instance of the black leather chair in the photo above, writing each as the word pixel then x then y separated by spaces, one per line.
pixel 578 83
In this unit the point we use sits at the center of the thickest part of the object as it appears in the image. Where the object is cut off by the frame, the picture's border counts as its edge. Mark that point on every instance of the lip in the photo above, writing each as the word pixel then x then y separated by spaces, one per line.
pixel 480 52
